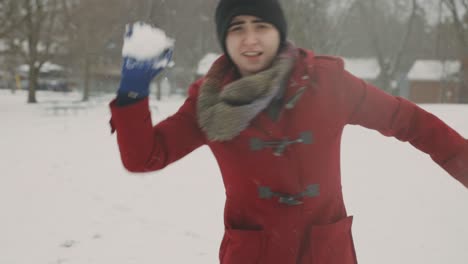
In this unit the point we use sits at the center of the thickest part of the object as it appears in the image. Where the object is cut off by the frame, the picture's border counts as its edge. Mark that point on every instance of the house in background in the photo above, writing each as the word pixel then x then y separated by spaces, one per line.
pixel 103 78
pixel 434 81
pixel 51 77
pixel 205 64
pixel 428 81
pixel 367 69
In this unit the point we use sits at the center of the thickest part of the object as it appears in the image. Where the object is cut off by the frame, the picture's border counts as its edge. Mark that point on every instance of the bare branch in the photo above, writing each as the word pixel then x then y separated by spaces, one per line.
pixel 371 26
pixel 50 26
pixel 404 43
pixel 459 26
pixel 465 4
pixel 9 17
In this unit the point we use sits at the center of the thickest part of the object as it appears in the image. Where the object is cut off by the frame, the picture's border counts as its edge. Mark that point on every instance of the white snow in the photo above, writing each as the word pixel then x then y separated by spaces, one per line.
pixel 65 197
pixel 433 70
pixel 162 63
pixel 46 67
pixel 146 42
pixel 365 68
pixel 205 63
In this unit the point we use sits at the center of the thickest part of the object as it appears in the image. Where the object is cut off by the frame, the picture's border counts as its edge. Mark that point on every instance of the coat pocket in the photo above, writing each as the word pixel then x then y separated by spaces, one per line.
pixel 242 246
pixel 332 243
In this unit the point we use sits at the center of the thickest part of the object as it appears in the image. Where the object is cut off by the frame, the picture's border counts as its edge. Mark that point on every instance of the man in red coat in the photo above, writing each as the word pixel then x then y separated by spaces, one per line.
pixel 273 115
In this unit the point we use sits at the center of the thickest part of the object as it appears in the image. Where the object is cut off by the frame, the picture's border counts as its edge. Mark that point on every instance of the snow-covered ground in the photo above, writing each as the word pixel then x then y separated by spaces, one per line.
pixel 65 197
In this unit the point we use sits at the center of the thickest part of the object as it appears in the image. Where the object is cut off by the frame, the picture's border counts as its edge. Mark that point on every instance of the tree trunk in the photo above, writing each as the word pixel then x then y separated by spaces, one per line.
pixel 87 61
pixel 12 82
pixel 461 34
pixel 463 96
pixel 32 84
pixel 86 78
pixel 11 72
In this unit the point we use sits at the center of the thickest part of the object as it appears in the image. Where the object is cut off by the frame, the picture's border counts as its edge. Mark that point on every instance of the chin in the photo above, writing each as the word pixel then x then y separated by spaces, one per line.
pixel 255 70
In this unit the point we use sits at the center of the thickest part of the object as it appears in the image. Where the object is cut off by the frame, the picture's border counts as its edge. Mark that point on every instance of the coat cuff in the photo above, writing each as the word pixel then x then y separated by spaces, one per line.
pixel 458 166
pixel 122 115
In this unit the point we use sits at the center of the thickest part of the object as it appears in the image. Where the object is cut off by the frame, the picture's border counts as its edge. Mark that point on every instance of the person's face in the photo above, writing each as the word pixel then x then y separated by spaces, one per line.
pixel 252 44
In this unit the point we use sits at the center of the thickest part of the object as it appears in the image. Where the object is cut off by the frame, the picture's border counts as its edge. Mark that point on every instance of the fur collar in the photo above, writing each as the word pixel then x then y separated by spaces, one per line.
pixel 224 112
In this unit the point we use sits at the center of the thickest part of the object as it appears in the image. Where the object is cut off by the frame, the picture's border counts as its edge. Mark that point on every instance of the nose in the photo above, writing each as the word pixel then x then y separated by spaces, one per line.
pixel 250 38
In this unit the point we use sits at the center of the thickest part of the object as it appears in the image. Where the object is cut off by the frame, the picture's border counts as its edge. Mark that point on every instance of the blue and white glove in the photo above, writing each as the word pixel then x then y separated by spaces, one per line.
pixel 137 74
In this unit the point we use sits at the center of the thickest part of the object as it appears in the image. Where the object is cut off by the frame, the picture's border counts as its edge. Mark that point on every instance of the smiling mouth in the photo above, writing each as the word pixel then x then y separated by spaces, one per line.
pixel 252 53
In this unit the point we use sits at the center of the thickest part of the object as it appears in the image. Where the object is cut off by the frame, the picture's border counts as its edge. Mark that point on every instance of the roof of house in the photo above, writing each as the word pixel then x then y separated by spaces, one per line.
pixel 369 69
pixel 364 68
pixel 46 67
pixel 433 70
pixel 205 63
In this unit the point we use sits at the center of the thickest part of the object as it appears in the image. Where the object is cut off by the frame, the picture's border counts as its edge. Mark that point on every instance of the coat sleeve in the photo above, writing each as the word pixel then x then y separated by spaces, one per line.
pixel 372 108
pixel 146 148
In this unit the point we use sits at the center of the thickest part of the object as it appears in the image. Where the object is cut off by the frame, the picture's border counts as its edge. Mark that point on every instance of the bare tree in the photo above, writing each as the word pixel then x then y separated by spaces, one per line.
pixel 34 39
pixel 393 55
pixel 9 16
pixel 458 13
pixel 91 28
pixel 317 23
pixel 192 25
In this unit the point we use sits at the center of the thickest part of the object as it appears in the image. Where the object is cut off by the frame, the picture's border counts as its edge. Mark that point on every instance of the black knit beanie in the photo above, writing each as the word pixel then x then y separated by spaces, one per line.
pixel 268 10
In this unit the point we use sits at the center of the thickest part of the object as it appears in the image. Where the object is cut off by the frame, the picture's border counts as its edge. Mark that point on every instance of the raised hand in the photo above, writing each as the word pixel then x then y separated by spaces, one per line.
pixel 139 68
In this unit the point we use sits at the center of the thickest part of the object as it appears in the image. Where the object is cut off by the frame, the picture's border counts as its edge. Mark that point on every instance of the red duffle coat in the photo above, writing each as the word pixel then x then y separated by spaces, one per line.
pixel 263 227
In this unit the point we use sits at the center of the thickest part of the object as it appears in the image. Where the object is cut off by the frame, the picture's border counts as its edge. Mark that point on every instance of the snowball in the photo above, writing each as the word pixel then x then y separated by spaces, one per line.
pixel 146 42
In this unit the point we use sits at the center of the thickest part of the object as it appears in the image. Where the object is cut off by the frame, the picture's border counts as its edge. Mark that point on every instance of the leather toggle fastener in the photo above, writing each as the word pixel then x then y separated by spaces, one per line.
pixel 280 146
pixel 311 191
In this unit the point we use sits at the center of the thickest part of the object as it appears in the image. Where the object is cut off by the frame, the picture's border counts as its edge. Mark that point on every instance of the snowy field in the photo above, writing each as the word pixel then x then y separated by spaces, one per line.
pixel 65 197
